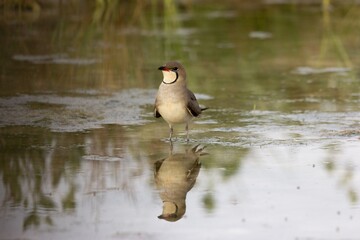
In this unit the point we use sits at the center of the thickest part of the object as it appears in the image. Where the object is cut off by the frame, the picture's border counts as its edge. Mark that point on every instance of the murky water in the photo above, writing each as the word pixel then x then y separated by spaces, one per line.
pixel 276 155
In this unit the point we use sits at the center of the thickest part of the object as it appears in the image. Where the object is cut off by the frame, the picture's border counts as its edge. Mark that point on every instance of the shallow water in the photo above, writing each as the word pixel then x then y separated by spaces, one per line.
pixel 82 156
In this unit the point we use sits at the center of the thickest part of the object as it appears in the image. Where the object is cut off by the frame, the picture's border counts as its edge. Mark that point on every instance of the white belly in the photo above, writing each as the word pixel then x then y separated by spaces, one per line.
pixel 174 113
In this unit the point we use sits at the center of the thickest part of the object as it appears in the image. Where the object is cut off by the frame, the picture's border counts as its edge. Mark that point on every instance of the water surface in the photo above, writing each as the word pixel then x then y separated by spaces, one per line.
pixel 82 156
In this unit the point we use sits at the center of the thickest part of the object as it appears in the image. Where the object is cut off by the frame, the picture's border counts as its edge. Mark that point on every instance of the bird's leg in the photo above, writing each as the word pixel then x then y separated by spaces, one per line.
pixel 187 132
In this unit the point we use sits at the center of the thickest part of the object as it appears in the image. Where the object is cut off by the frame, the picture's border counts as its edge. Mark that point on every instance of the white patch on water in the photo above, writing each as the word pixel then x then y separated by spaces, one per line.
pixel 201 96
pixel 55 59
pixel 309 70
pixel 271 128
pixel 221 14
pixel 75 113
pixel 260 35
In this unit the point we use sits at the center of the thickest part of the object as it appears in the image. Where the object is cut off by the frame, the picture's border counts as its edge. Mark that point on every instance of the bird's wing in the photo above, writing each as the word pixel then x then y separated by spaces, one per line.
pixel 156 112
pixel 192 104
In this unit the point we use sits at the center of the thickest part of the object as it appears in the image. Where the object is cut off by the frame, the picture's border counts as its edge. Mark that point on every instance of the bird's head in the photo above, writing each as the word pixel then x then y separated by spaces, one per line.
pixel 173 72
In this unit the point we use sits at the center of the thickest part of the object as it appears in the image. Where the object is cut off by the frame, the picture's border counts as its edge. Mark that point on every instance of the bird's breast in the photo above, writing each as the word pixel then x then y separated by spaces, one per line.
pixel 172 103
pixel 174 112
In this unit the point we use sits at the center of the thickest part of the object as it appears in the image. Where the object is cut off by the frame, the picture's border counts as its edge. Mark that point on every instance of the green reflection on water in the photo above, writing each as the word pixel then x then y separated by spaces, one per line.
pixel 33 164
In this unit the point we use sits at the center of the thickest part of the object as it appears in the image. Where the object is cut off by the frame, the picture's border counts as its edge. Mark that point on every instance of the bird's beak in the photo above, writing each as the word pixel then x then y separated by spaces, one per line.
pixel 162 68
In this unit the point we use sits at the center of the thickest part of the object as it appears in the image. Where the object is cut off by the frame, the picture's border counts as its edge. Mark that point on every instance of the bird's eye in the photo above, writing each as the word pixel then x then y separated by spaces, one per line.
pixel 175 69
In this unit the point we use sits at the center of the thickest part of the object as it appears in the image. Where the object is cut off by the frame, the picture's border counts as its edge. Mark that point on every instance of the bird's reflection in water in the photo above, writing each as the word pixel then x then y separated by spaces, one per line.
pixel 174 177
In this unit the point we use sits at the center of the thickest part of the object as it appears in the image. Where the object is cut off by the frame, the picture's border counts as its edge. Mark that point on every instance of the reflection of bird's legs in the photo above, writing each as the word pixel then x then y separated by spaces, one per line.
pixel 187 132
pixel 171 132
pixel 171 148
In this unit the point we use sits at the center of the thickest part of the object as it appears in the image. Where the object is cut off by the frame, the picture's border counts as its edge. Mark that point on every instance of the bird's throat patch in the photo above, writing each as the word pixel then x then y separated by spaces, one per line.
pixel 170 77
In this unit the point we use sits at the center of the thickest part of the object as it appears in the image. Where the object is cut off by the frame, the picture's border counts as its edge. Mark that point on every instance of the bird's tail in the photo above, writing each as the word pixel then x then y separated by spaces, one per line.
pixel 203 108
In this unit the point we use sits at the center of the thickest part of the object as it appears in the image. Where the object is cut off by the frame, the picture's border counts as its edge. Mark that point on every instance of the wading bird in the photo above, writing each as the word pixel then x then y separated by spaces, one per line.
pixel 175 103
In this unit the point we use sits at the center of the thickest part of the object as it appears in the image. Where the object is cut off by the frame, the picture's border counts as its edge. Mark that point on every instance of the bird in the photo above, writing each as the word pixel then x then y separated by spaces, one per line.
pixel 174 102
